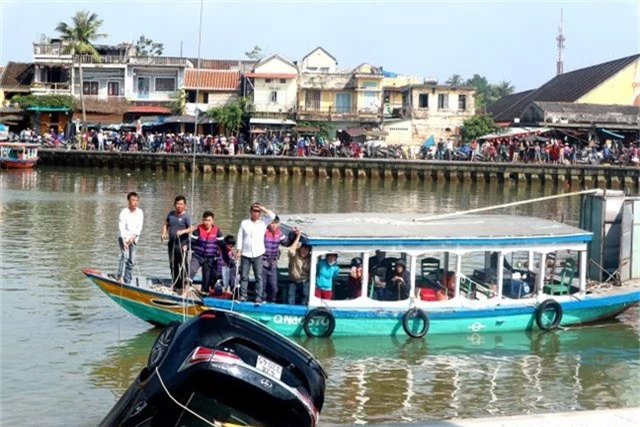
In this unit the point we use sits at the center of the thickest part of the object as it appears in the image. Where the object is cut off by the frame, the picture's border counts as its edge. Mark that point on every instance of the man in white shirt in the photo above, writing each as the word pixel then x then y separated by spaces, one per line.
pixel 250 248
pixel 130 227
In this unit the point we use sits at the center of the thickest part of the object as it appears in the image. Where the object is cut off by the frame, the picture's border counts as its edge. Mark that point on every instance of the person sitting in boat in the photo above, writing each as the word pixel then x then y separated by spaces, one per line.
pixel 328 270
pixel 205 237
pixel 355 278
pixel 273 239
pixel 299 270
pixel 379 268
pixel 398 283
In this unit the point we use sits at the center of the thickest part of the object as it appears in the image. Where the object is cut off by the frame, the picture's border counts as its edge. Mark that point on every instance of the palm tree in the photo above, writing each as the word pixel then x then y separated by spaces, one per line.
pixel 455 80
pixel 78 38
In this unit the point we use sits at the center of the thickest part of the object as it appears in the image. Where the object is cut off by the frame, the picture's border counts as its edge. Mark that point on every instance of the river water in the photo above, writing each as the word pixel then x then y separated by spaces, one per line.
pixel 68 352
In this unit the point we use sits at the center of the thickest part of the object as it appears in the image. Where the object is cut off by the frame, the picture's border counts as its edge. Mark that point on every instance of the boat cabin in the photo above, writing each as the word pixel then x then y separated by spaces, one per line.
pixel 21 152
pixel 455 261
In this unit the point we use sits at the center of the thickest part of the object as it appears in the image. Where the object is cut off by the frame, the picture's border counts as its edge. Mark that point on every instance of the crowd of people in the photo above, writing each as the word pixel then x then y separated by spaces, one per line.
pixel 529 149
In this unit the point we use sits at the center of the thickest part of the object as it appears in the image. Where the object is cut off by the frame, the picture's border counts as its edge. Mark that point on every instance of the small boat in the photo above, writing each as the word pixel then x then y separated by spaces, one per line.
pixel 222 368
pixel 469 274
pixel 18 155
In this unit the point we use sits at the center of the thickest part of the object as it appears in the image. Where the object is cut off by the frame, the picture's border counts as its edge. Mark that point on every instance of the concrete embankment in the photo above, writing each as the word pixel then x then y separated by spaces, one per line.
pixel 625 417
pixel 578 176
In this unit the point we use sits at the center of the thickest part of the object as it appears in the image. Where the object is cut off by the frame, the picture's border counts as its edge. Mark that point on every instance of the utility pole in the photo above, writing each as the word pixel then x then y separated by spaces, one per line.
pixel 560 39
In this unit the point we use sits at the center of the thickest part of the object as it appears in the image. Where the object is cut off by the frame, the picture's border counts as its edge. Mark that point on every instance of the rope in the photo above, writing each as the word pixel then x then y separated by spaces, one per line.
pixel 164 387
pixel 505 205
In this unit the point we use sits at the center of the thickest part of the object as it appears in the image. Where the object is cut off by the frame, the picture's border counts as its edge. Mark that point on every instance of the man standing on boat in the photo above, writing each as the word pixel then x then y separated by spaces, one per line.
pixel 130 226
pixel 251 249
pixel 176 229
pixel 273 239
pixel 204 256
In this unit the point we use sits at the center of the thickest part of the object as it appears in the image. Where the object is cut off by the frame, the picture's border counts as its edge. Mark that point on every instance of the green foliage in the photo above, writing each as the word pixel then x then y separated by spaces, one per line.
pixel 255 53
pixel 231 116
pixel 50 101
pixel 455 80
pixel 84 30
pixel 477 126
pixel 487 93
pixel 146 47
pixel 179 103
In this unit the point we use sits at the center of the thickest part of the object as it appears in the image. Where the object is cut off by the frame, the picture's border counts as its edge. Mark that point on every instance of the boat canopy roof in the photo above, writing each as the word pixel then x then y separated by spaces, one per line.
pixel 19 145
pixel 373 229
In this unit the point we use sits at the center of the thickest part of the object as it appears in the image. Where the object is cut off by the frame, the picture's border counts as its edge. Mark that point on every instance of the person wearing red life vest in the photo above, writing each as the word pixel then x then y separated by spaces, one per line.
pixel 204 246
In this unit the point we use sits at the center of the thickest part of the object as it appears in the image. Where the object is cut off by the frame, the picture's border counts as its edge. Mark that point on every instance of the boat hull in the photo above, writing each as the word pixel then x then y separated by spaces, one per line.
pixel 160 309
pixel 18 164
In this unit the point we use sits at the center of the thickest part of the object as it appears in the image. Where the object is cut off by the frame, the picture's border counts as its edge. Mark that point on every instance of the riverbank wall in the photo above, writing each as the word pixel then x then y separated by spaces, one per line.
pixel 578 176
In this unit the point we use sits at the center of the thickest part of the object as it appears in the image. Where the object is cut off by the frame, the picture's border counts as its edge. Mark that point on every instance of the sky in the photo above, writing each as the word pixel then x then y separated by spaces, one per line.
pixel 502 40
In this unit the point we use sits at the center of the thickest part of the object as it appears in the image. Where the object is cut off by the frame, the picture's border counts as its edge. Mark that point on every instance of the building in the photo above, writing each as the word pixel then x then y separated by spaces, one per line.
pixel 427 109
pixel 216 88
pixel 349 98
pixel 15 79
pixel 614 82
pixel 271 87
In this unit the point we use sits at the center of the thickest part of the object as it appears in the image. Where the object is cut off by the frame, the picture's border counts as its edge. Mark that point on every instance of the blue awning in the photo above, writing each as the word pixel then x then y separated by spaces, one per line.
pixel 612 134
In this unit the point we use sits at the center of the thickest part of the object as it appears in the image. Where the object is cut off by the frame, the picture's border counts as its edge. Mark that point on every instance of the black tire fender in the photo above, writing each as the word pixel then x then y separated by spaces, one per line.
pixel 546 305
pixel 161 344
pixel 315 313
pixel 412 313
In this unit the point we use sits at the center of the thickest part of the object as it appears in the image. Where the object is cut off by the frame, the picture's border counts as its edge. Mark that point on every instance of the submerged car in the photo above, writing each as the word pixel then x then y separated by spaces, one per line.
pixel 224 369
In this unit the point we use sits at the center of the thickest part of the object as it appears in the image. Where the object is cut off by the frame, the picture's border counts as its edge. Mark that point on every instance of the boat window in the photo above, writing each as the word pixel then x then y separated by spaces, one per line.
pixel 341 274
pixel 389 276
pixel 435 277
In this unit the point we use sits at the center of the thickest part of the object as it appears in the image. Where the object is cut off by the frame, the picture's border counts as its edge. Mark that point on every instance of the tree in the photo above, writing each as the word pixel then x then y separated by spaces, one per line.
pixel 501 89
pixel 231 115
pixel 255 53
pixel 78 38
pixel 487 93
pixel 179 103
pixel 454 80
pixel 477 126
pixel 148 48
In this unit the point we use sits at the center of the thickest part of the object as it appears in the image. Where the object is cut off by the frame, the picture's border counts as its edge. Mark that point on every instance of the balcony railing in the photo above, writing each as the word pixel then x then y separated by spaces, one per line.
pixel 51 88
pixel 158 60
pixel 48 49
pixel 103 59
pixel 340 114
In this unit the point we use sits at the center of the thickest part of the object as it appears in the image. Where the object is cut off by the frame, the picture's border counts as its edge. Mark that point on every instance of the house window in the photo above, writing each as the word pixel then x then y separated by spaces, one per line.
pixel 423 100
pixel 165 84
pixel 369 85
pixel 312 100
pixel 205 97
pixel 267 80
pixel 191 96
pixel 89 88
pixel 274 96
pixel 113 89
pixel 462 102
pixel 443 101
pixel 283 81
pixel 343 102
pixel 324 69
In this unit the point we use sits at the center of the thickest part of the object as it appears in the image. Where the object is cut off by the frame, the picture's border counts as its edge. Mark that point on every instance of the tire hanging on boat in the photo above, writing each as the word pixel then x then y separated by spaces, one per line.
pixel 409 316
pixel 548 305
pixel 161 344
pixel 316 315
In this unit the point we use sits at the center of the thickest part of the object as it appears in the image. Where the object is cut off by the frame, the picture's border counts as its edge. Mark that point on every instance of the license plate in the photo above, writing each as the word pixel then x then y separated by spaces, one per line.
pixel 268 367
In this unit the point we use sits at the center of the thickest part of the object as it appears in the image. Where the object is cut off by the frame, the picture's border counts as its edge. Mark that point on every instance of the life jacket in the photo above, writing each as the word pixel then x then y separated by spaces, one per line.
pixel 272 244
pixel 206 244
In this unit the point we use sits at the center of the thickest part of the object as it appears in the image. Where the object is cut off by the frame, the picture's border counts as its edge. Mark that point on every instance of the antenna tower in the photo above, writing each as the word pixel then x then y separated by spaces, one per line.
pixel 560 39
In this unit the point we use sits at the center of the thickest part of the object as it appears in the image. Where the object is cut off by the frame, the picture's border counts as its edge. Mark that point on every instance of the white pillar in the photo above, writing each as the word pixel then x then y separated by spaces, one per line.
pixel 499 278
pixel 412 266
pixel 582 256
pixel 541 272
pixel 312 279
pixel 365 274
pixel 458 272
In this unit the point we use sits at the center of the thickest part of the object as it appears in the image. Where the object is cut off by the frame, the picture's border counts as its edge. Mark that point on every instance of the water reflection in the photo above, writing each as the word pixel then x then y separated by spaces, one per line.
pixel 384 379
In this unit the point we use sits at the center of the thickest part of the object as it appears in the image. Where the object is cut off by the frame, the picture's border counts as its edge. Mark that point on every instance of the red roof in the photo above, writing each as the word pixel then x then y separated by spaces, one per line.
pixel 272 75
pixel 212 79
pixel 154 109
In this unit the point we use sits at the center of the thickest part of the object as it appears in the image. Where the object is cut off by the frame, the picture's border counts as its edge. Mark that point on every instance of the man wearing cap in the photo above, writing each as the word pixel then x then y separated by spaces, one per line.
pixel 250 248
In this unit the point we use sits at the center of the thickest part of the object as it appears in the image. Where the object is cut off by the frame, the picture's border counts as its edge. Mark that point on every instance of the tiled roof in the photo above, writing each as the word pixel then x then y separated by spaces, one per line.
pixel 567 87
pixel 212 80
pixel 17 77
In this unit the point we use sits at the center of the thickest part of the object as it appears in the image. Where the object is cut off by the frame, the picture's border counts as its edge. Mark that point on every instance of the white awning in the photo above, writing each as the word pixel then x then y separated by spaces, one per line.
pixel 268 121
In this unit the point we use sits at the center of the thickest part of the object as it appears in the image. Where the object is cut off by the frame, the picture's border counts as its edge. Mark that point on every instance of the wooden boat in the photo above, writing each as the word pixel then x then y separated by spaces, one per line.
pixel 18 155
pixel 471 274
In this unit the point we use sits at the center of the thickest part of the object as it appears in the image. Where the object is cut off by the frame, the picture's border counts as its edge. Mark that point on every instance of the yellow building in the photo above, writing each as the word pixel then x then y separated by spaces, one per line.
pixel 615 82
pixel 350 96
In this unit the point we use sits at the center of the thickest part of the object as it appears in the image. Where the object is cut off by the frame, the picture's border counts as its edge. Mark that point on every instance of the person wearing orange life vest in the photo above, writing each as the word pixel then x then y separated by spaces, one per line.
pixel 273 239
pixel 205 237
